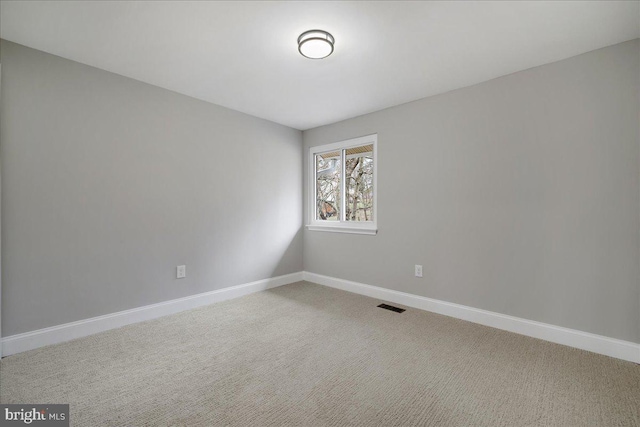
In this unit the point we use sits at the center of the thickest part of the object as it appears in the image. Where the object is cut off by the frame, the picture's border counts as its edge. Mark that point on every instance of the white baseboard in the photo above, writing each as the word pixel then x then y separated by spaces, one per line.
pixel 56 334
pixel 573 338
pixel 583 340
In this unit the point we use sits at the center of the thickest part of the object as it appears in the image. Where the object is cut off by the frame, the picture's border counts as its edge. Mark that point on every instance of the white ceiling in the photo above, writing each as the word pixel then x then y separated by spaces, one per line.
pixel 243 55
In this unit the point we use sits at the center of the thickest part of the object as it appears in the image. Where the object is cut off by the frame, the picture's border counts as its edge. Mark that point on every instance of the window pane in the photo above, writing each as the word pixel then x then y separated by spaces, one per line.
pixel 359 183
pixel 328 186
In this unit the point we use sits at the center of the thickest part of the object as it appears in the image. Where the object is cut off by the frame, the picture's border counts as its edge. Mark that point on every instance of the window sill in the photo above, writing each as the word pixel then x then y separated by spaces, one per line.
pixel 368 230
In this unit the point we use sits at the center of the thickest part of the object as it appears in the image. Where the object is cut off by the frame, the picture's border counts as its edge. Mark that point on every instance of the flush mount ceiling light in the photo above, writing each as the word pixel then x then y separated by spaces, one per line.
pixel 315 44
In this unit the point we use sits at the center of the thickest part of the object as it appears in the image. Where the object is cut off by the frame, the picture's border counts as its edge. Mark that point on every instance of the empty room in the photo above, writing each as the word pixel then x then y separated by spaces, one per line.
pixel 334 213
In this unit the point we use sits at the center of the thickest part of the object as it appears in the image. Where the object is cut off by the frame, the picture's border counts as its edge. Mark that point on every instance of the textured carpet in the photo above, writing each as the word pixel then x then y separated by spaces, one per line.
pixel 308 355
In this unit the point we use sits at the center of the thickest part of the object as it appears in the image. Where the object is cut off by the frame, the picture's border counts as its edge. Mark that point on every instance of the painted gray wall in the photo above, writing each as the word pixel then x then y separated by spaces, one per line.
pixel 109 183
pixel 520 195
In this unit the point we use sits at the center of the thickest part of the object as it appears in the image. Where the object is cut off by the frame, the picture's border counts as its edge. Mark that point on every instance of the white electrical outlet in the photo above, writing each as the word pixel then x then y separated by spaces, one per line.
pixel 418 271
pixel 181 271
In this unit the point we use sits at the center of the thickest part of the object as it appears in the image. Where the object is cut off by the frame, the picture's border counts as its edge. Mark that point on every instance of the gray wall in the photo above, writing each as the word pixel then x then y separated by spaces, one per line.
pixel 520 195
pixel 109 183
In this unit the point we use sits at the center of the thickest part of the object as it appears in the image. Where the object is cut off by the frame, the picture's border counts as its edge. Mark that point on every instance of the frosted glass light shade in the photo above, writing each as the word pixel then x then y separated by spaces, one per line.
pixel 315 44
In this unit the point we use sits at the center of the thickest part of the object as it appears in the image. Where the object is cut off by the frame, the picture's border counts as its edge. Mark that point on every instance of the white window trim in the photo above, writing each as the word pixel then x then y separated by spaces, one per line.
pixel 360 227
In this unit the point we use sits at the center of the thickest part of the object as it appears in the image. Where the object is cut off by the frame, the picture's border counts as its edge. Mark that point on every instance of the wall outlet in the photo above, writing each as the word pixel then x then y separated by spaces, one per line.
pixel 418 271
pixel 181 271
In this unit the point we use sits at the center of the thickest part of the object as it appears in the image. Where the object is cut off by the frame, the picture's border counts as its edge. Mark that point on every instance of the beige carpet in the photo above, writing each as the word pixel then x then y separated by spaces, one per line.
pixel 306 355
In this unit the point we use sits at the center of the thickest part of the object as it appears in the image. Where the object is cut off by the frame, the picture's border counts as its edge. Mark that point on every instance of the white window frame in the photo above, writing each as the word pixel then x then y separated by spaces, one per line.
pixel 355 227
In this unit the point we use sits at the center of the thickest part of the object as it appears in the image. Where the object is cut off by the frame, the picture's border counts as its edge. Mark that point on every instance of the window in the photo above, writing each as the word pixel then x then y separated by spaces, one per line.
pixel 342 186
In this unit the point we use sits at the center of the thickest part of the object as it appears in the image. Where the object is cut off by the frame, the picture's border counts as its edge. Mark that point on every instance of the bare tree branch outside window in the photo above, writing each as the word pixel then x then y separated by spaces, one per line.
pixel 358 186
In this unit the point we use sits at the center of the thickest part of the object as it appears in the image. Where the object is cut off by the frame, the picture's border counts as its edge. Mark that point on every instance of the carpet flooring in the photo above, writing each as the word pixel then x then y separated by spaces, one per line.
pixel 307 355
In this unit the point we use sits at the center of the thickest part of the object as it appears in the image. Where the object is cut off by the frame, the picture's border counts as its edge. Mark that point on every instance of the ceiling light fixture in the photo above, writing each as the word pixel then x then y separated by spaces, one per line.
pixel 315 44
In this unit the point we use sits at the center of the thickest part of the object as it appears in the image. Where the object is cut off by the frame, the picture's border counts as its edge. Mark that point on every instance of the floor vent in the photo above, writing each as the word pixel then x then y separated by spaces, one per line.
pixel 392 308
